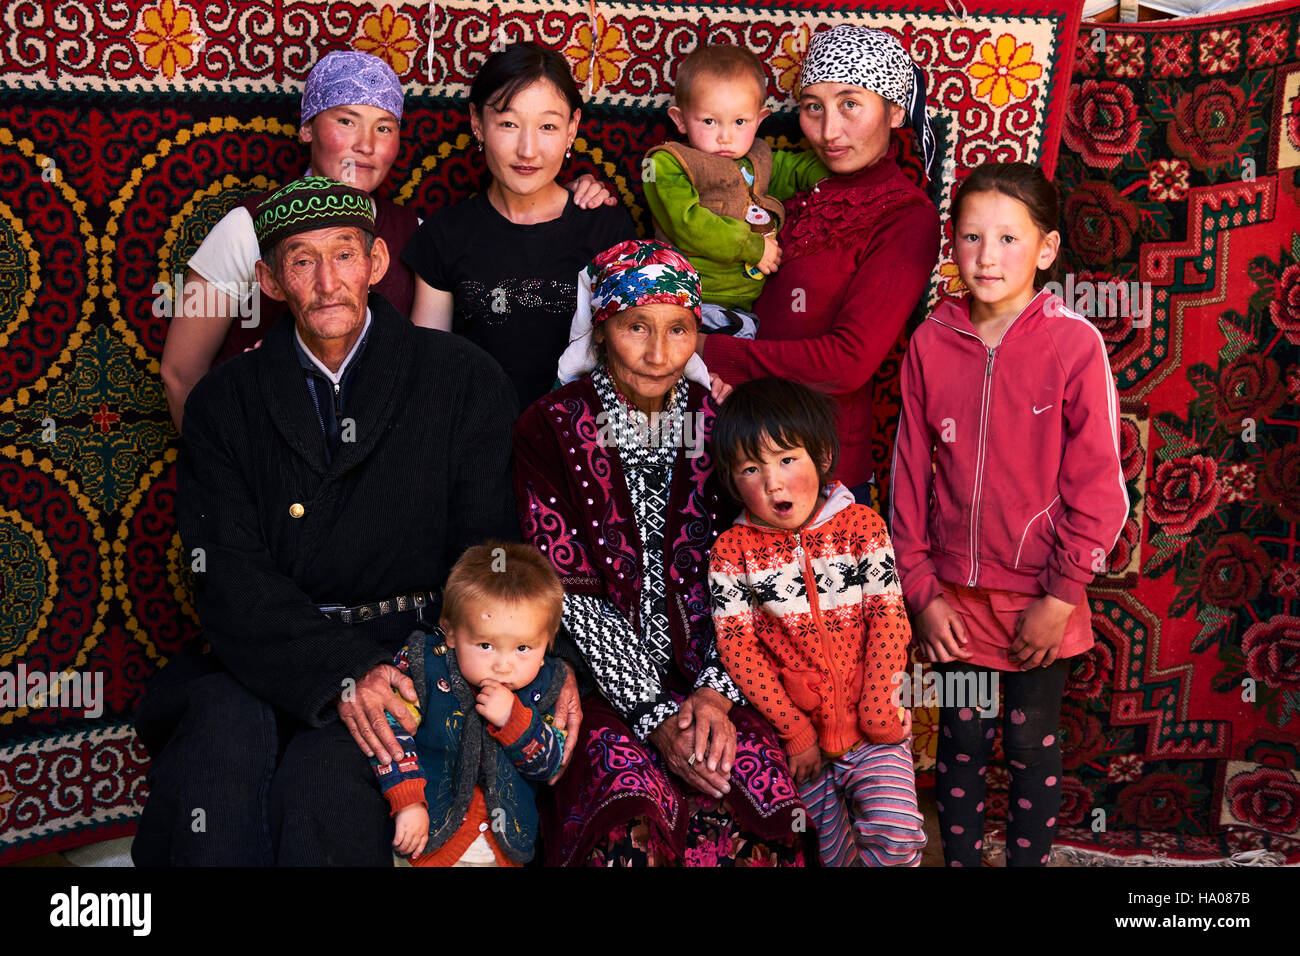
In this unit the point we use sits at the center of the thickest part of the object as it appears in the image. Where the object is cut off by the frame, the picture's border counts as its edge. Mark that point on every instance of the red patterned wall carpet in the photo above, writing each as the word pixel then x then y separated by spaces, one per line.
pixel 1180 166
pixel 127 131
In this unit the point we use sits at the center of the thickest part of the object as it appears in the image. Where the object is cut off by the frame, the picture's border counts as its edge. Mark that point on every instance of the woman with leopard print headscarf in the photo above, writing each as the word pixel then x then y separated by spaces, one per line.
pixel 857 250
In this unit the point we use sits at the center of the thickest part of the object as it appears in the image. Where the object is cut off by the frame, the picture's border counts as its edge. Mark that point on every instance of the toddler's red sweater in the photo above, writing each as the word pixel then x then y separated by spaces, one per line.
pixel 810 624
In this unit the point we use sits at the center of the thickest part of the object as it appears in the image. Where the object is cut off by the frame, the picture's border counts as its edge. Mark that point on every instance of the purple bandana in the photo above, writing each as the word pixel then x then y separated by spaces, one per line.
pixel 351 78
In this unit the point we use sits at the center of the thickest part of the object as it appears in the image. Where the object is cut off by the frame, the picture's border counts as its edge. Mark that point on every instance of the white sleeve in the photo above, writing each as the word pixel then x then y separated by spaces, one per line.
pixel 228 255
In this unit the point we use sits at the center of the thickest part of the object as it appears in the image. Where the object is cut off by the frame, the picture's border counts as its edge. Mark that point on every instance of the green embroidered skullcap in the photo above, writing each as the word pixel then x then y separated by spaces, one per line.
pixel 312 202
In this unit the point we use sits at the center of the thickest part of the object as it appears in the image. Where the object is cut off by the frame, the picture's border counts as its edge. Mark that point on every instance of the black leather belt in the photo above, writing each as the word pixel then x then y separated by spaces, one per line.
pixel 367 612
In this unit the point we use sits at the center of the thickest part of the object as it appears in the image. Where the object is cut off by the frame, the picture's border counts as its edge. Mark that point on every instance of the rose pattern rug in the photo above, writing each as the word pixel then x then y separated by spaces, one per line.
pixel 1180 168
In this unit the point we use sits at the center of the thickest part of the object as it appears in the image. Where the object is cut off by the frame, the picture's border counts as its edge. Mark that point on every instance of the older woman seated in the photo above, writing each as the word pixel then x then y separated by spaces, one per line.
pixel 614 485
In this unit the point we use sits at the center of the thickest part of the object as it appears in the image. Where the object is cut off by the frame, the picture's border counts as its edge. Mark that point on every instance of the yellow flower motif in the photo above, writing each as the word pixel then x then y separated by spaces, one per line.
pixel 389 37
pixel 6 795
pixel 166 37
pixel 608 54
pixel 951 279
pixel 925 735
pixel 1006 70
pixel 788 62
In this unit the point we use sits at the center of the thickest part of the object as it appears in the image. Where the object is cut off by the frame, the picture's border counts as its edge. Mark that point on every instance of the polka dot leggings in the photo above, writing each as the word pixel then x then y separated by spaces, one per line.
pixel 1031 711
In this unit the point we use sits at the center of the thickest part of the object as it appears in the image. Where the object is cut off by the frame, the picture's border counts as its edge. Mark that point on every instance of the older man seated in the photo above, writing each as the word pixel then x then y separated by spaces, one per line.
pixel 330 478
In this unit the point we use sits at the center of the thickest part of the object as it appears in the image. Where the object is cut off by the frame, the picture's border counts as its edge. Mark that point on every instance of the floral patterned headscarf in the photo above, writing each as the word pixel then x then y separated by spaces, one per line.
pixel 638 272
pixel 641 272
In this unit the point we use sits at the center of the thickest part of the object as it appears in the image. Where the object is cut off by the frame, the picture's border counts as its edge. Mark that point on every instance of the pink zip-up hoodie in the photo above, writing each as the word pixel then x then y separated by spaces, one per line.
pixel 1026 492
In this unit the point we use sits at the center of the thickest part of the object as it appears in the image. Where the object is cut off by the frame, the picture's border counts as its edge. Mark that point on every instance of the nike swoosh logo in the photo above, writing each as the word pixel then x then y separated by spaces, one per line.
pixel 1039 411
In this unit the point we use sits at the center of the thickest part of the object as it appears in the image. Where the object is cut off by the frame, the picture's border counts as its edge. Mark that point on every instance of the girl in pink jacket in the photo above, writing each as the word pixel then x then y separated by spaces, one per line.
pixel 1007 497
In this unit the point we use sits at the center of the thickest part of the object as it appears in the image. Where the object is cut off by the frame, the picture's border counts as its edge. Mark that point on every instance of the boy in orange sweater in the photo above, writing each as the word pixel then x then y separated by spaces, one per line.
pixel 810 622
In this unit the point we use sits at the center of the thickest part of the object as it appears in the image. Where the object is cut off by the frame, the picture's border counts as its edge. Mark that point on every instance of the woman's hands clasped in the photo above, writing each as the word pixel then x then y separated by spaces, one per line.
pixel 699 742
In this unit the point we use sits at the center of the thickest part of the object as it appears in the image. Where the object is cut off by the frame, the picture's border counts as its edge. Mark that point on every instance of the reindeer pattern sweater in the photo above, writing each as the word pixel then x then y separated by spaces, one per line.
pixel 811 625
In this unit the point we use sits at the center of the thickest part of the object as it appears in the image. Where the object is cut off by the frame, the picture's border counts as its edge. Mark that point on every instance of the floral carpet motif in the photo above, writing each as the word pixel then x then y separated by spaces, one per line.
pixel 1180 168
pixel 128 130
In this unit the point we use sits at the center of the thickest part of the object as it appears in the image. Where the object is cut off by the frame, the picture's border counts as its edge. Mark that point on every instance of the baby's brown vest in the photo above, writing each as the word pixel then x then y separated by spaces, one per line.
pixel 721 186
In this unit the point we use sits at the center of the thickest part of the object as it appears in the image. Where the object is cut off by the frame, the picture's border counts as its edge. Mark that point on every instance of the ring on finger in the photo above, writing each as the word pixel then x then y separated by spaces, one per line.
pixel 690 761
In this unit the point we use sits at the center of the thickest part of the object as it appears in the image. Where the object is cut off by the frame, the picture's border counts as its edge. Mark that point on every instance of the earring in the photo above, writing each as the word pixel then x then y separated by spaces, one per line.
pixel 568 153
pixel 480 145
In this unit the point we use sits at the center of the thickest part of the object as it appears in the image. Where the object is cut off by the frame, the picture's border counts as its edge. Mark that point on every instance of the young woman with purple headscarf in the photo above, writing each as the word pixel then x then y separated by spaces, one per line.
pixel 351 113
pixel 351 117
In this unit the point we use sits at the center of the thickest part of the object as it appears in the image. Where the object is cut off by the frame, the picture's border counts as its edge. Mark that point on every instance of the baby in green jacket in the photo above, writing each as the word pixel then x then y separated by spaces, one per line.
pixel 718 199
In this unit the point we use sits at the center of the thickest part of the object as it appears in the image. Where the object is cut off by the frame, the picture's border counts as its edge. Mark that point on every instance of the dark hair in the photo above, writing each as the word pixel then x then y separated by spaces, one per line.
pixel 507 572
pixel 1021 181
pixel 777 410
pixel 718 62
pixel 517 67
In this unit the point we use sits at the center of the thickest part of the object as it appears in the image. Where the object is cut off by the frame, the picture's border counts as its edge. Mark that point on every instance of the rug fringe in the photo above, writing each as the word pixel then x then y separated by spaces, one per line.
pixel 1077 856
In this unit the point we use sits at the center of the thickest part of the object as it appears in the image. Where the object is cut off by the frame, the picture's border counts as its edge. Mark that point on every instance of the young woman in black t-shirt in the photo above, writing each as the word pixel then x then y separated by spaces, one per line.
pixel 501 267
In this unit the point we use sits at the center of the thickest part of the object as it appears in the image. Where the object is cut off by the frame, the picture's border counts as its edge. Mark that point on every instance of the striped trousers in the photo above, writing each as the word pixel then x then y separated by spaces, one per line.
pixel 863 805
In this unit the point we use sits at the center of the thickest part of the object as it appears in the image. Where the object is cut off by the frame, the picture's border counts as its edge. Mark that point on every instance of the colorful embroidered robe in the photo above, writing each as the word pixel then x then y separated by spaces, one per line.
pixel 575 507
